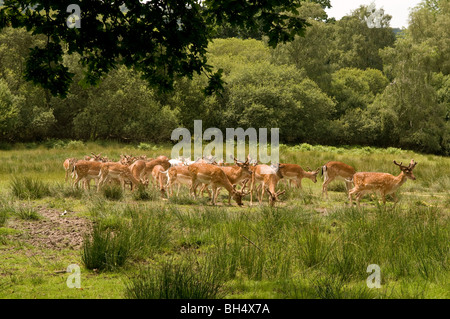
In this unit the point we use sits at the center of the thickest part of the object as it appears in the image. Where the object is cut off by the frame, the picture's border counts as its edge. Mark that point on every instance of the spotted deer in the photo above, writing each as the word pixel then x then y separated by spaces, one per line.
pixel 382 183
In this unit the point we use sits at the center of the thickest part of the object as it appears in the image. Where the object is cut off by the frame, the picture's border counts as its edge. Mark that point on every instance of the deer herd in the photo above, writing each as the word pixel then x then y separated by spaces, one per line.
pixel 164 173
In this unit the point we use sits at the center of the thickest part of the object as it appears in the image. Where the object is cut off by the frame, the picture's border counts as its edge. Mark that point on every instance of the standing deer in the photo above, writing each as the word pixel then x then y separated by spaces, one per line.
pixel 212 175
pixel 296 173
pixel 68 166
pixel 383 183
pixel 336 170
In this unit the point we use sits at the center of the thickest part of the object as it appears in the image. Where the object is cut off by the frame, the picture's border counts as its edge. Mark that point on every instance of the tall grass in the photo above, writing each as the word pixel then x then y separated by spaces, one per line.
pixel 29 188
pixel 304 247
pixel 104 249
pixel 175 280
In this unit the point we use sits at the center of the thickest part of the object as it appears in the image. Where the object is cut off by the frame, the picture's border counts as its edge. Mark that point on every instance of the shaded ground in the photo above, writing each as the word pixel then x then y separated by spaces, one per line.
pixel 55 230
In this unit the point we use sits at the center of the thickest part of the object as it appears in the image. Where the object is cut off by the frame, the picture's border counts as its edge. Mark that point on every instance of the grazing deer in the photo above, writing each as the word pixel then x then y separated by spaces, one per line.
pixel 212 175
pixel 141 169
pixel 160 160
pixel 272 180
pixel 296 173
pixel 259 172
pixel 383 183
pixel 237 173
pixel 339 171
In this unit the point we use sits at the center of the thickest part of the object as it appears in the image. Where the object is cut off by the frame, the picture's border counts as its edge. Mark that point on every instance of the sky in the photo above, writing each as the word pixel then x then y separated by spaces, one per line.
pixel 398 9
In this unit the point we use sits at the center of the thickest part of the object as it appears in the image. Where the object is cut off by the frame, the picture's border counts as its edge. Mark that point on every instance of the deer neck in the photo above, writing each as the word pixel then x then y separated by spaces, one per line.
pixel 309 175
pixel 400 179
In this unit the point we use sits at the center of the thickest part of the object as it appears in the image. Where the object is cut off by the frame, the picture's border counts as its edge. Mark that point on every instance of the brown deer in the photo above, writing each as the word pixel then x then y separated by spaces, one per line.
pixel 68 166
pixel 212 175
pixel 113 170
pixel 339 171
pixel 272 180
pixel 259 172
pixel 296 173
pixel 382 183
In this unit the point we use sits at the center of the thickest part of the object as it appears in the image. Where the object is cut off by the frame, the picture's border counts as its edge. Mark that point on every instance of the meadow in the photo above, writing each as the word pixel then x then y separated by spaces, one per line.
pixel 138 245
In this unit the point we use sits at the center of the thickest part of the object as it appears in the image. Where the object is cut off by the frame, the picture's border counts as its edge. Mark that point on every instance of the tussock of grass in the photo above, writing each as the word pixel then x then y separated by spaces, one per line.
pixel 27 213
pixel 112 192
pixel 175 280
pixel 29 188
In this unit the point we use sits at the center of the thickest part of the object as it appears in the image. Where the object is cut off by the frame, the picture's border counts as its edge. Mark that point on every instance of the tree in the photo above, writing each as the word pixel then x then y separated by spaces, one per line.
pixel 161 39
pixel 9 112
pixel 310 52
pixel 356 44
pixel 354 88
pixel 410 113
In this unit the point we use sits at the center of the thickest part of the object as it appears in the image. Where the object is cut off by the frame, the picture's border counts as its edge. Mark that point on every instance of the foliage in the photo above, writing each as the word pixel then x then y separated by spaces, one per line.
pixel 336 83
pixel 161 40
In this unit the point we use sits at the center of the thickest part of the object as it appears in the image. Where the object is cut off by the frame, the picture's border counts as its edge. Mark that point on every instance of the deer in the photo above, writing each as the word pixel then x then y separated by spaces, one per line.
pixel 118 171
pixel 86 170
pixel 237 173
pixel 212 175
pixel 259 171
pixel 140 169
pixel 382 183
pixel 339 171
pixel 296 173
pixel 160 177
pixel 177 175
pixel 68 166
pixel 272 180
pixel 94 158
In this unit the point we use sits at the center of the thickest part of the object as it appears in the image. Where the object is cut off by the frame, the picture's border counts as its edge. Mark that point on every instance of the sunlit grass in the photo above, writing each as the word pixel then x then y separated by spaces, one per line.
pixel 305 247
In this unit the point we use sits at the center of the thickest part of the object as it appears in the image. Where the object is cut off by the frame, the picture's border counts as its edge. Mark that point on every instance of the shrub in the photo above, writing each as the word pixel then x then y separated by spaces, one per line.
pixel 148 147
pixel 75 145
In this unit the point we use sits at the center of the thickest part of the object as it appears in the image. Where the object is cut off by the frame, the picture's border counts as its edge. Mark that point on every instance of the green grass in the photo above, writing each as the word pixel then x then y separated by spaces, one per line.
pixel 142 246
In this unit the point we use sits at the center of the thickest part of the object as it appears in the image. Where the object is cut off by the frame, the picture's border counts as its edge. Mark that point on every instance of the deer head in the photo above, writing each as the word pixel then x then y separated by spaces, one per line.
pixel 407 170
pixel 273 197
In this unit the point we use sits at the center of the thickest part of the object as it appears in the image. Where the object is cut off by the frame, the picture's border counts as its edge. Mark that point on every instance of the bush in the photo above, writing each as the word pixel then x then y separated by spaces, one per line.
pixel 54 143
pixel 75 145
pixel 148 147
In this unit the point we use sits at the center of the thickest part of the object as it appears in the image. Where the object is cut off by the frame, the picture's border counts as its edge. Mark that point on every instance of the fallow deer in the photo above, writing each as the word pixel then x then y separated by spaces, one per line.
pixel 339 171
pixel 382 183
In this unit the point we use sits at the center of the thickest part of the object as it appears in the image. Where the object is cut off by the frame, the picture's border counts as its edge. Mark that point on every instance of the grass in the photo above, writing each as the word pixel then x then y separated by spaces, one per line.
pixel 142 246
pixel 175 280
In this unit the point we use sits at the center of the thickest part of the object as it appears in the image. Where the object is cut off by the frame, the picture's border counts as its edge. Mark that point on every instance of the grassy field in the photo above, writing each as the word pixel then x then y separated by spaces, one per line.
pixel 136 245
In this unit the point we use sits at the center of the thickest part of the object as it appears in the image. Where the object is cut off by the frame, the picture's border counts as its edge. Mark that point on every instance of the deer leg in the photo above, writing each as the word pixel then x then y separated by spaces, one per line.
pixel 262 193
pixel 252 184
pixel 350 196
pixel 214 194
pixel 325 187
pixel 348 186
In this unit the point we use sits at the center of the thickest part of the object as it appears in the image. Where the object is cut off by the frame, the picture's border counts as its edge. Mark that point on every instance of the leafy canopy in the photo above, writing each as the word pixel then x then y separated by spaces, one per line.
pixel 163 39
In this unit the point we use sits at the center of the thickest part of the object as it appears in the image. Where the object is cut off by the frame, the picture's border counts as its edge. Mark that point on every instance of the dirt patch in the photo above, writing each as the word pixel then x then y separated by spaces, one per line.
pixel 55 230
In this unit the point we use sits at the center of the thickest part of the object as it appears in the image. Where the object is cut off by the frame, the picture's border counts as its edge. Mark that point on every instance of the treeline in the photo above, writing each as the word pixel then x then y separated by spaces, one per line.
pixel 343 83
